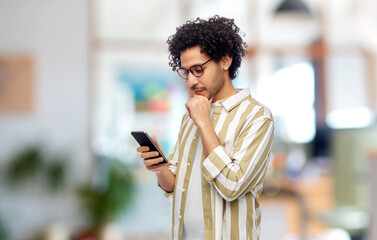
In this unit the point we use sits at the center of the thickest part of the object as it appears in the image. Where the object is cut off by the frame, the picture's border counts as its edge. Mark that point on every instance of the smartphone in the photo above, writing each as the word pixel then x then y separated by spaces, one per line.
pixel 145 140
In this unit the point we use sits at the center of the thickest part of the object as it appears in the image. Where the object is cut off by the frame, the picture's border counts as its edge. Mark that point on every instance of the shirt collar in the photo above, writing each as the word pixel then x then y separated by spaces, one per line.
pixel 233 101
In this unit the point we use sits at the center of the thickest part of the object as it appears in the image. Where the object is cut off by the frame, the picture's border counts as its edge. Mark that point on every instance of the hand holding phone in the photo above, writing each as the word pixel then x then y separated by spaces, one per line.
pixel 145 140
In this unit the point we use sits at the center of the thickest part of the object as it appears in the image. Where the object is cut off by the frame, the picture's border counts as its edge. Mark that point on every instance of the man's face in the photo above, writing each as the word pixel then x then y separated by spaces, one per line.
pixel 212 80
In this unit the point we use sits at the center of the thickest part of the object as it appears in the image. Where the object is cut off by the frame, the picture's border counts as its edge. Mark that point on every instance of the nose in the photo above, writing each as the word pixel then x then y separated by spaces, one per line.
pixel 192 80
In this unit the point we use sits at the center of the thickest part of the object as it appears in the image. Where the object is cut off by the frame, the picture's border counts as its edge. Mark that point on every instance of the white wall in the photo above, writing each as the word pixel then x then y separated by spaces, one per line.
pixel 55 34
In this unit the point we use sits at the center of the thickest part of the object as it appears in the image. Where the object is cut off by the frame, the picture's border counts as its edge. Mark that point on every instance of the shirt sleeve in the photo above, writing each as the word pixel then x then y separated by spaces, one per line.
pixel 235 174
pixel 173 156
pixel 172 167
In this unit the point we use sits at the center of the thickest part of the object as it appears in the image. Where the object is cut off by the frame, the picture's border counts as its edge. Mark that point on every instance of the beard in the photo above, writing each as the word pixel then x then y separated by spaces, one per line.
pixel 218 84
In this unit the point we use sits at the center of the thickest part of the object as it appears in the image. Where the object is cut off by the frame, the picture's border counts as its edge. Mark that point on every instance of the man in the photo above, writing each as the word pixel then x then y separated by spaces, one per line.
pixel 217 166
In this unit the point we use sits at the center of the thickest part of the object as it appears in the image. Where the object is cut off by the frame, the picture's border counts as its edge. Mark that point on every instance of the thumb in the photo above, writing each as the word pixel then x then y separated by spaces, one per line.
pixel 188 110
pixel 156 142
pixel 210 102
pixel 154 139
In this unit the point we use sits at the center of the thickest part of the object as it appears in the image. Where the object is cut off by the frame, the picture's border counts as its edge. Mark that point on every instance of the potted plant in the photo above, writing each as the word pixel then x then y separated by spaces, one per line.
pixel 31 162
pixel 103 203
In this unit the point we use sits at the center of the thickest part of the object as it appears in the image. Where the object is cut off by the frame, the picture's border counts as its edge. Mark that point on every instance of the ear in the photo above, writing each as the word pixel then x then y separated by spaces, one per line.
pixel 226 61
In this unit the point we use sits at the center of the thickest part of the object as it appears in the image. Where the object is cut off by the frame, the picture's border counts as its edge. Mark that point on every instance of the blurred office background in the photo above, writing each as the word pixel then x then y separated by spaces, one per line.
pixel 77 76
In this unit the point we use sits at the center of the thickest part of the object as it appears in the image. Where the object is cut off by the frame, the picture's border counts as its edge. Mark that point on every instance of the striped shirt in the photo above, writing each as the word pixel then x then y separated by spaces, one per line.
pixel 232 174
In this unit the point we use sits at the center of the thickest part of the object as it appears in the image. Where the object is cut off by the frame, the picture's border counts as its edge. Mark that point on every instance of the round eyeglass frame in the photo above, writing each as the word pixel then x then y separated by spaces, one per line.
pixel 190 70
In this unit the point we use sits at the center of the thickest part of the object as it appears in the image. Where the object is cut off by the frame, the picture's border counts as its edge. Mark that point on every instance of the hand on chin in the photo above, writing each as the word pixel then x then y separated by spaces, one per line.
pixel 199 108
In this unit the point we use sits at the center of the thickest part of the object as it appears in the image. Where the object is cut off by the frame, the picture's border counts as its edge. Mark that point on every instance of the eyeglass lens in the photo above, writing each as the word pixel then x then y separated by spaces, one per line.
pixel 197 71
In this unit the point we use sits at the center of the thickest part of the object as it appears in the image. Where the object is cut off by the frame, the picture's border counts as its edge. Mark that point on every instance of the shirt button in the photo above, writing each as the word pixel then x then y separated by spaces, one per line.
pixel 180 217
pixel 183 190
pixel 194 138
pixel 188 164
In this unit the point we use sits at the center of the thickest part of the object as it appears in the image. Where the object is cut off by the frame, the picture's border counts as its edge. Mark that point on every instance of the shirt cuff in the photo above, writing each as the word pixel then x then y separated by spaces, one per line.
pixel 216 161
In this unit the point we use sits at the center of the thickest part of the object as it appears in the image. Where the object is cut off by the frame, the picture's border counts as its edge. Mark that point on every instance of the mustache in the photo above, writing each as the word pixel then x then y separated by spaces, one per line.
pixel 193 88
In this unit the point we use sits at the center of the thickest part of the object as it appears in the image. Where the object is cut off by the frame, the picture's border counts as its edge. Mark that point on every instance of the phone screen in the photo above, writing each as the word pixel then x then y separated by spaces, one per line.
pixel 145 140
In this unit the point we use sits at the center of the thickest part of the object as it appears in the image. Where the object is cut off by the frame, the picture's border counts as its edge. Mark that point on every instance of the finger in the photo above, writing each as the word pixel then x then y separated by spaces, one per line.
pixel 146 155
pixel 157 167
pixel 154 161
pixel 199 97
pixel 142 149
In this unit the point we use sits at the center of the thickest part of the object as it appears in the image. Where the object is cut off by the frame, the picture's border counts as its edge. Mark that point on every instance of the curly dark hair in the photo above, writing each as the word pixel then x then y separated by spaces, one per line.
pixel 217 37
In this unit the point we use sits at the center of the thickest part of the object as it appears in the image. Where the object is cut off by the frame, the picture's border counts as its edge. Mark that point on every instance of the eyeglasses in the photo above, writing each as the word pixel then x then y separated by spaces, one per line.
pixel 196 70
